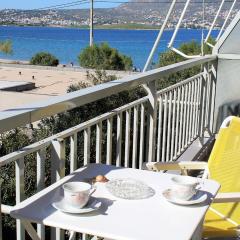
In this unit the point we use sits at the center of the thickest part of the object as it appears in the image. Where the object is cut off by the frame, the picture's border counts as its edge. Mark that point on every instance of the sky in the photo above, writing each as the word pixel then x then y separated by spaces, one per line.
pixel 34 4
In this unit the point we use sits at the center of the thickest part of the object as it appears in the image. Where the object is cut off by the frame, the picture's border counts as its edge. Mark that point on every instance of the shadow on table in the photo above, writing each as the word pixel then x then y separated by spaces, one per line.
pixel 39 207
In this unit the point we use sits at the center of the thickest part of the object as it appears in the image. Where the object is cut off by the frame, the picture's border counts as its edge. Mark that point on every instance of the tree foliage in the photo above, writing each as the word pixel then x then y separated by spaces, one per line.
pixel 171 57
pixel 44 59
pixel 104 57
pixel 77 115
pixel 6 47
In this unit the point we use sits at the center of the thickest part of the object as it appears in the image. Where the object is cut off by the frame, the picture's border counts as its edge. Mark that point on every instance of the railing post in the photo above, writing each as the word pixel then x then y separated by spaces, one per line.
pixel 58 158
pixel 212 125
pixel 19 169
pixel 152 118
pixel 41 158
pixel 202 106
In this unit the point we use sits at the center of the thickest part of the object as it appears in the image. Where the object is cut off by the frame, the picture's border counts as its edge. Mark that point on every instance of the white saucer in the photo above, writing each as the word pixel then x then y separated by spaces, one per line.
pixel 92 205
pixel 197 198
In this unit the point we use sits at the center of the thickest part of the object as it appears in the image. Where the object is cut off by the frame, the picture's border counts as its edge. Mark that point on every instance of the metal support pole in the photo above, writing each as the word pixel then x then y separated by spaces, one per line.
pixel 214 21
pixel 170 45
pixel 226 20
pixel 91 24
pixel 159 37
pixel 178 24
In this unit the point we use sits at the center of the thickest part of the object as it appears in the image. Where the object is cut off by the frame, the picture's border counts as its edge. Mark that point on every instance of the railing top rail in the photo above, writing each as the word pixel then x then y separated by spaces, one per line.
pixel 19 116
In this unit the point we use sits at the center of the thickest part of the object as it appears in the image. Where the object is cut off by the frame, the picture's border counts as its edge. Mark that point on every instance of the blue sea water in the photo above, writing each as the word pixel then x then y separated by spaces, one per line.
pixel 66 43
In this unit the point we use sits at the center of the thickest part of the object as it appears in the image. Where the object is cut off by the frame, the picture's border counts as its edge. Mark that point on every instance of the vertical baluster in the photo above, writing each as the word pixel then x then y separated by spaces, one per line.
pixel 177 122
pixel 206 75
pixel 119 140
pixel 181 120
pixel 207 101
pixel 213 105
pixel 109 140
pixel 160 116
pixel 142 137
pixel 99 142
pixel 202 109
pixel 210 104
pixel 173 130
pixel 87 133
pixel 189 93
pixel 127 137
pixel 58 156
pixel 41 158
pixel 194 106
pixel 169 125
pixel 19 168
pixel 184 116
pixel 73 152
pixel 191 111
pixel 58 159
pixel 198 105
pixel 135 137
pixel 214 79
pixel 164 127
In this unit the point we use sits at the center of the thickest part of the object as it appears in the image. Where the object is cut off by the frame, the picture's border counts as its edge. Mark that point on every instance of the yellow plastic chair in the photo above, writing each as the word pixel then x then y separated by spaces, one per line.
pixel 223 216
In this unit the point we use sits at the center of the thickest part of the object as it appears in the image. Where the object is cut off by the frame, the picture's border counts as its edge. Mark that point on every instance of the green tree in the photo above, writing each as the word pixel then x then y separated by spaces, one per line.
pixel 171 57
pixel 6 47
pixel 104 57
pixel 44 59
pixel 12 141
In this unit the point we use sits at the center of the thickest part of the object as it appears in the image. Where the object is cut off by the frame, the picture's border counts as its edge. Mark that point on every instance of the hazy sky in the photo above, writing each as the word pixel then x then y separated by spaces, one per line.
pixel 31 4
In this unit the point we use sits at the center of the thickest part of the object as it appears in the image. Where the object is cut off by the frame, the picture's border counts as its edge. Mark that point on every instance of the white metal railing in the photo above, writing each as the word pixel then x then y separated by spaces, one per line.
pixel 158 127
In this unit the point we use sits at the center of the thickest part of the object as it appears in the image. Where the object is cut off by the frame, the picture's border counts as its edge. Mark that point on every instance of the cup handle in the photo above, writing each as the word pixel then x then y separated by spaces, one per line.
pixel 92 190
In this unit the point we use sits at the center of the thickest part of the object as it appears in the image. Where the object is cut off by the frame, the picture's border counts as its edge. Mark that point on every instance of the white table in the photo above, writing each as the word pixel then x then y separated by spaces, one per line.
pixel 152 218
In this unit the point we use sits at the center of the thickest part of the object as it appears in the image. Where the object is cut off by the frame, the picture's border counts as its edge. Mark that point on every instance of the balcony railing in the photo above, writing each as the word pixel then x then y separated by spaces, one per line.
pixel 159 127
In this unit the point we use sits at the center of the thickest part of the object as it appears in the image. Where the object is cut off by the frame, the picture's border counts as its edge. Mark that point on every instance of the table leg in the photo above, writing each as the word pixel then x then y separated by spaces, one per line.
pixel 198 232
pixel 30 229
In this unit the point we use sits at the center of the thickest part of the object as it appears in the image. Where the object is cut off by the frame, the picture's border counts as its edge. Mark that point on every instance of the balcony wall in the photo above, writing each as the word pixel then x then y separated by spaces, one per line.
pixel 228 72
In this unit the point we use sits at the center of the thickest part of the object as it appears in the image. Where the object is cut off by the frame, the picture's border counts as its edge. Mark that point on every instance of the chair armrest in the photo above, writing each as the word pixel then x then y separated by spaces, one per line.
pixel 227 197
pixel 158 166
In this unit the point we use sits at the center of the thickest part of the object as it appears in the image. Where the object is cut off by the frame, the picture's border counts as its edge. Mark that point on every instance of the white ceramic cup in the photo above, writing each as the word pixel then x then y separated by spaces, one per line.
pixel 184 187
pixel 77 194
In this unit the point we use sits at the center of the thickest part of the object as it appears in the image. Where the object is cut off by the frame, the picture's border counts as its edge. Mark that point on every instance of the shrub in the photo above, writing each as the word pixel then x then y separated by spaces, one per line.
pixel 44 59
pixel 170 57
pixel 6 47
pixel 104 57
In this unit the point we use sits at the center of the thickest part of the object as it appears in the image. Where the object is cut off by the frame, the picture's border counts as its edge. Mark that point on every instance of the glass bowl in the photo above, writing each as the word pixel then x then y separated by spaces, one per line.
pixel 130 189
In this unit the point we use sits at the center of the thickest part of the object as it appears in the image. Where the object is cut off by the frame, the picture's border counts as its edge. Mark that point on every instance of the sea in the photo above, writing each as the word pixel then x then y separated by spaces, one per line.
pixel 67 43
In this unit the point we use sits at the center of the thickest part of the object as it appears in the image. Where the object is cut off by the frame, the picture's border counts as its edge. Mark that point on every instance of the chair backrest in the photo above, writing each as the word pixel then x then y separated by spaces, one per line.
pixel 224 165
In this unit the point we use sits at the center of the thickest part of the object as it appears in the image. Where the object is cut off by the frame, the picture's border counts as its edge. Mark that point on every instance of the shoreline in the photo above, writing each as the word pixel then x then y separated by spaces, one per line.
pixel 100 27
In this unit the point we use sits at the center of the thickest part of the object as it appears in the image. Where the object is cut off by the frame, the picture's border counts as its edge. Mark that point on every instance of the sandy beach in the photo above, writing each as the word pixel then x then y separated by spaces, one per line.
pixel 49 83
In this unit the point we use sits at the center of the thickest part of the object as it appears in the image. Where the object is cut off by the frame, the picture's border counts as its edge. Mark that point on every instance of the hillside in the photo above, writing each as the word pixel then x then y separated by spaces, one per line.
pixel 136 12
